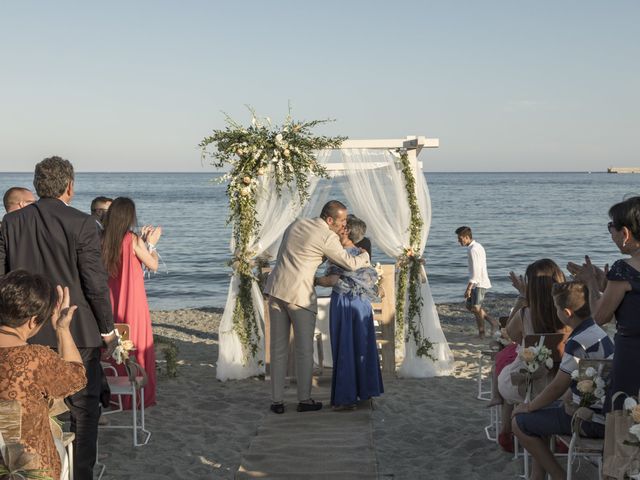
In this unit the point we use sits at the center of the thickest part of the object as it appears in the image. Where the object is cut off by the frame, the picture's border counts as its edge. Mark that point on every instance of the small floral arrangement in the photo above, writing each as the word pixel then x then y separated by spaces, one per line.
pixel 632 407
pixel 502 337
pixel 591 386
pixel 121 352
pixel 535 356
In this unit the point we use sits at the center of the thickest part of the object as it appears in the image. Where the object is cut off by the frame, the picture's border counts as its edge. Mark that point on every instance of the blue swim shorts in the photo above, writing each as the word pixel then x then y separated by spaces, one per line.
pixel 477 296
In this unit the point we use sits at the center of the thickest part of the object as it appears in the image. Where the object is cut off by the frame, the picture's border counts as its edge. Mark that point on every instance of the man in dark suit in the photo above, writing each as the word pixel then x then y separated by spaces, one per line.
pixel 53 239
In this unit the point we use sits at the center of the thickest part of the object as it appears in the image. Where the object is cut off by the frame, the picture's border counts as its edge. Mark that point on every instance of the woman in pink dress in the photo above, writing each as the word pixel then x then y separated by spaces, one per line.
pixel 124 253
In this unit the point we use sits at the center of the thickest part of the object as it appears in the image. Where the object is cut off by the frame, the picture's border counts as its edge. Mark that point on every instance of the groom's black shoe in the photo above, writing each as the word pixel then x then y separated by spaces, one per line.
pixel 277 407
pixel 310 406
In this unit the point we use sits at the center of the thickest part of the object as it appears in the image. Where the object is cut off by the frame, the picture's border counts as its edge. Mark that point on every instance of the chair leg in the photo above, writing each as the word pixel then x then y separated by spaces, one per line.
pixel 143 430
pixel 70 459
pixel 571 456
pixel 134 410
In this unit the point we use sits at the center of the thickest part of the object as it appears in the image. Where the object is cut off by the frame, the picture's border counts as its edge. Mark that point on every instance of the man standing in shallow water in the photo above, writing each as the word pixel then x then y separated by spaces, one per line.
pixel 478 279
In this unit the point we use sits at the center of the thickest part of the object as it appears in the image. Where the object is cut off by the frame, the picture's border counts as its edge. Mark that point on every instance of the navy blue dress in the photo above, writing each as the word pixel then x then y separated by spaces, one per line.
pixel 356 365
pixel 626 359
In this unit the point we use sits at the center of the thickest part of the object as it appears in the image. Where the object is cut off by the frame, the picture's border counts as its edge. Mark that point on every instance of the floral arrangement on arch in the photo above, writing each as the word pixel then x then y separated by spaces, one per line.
pixel 411 273
pixel 285 153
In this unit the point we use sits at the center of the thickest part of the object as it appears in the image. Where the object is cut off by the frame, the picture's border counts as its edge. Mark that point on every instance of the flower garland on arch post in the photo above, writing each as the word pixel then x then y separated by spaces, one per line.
pixel 285 152
pixel 410 272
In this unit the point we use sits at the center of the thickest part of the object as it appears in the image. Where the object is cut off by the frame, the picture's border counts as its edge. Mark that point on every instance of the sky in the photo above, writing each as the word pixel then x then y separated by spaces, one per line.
pixel 505 85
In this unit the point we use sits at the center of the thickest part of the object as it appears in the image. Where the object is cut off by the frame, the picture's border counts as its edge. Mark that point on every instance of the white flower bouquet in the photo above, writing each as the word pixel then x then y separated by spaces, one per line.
pixel 632 408
pixel 535 356
pixel 502 338
pixel 590 385
pixel 121 352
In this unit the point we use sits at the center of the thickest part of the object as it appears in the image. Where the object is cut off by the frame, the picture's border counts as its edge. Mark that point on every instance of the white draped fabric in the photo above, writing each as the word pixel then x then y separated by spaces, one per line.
pixel 379 197
pixel 275 213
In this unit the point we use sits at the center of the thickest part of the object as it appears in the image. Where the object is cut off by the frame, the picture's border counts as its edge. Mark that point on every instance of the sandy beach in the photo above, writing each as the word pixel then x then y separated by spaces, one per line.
pixel 422 429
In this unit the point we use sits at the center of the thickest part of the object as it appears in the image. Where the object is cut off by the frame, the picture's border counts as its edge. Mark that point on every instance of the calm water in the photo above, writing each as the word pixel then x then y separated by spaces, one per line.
pixel 518 217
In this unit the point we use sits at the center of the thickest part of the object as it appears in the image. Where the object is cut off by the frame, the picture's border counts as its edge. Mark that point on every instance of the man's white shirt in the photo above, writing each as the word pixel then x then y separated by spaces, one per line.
pixel 478 274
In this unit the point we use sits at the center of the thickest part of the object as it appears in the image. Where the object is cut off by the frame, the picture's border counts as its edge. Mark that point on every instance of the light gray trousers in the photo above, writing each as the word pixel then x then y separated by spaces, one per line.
pixel 282 316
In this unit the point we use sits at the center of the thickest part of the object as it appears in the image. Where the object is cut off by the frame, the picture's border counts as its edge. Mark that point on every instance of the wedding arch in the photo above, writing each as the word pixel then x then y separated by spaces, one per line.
pixel 385 187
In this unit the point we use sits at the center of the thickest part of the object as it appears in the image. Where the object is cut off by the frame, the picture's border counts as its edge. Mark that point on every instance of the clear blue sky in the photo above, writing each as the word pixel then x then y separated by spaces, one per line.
pixel 506 85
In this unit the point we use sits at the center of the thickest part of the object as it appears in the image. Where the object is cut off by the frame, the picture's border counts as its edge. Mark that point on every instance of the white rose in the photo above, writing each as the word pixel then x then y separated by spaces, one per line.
pixel 629 403
pixel 599 393
pixel 532 367
pixel 574 374
pixel 635 430
pixel 590 372
pixel 274 160
pixel 244 191
pixel 599 382
pixel 279 138
pixel 549 363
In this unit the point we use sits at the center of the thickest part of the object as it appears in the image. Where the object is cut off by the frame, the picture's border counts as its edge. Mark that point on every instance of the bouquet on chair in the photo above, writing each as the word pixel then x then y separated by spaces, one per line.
pixel 532 378
pixel 121 352
pixel 590 385
pixel 622 440
pixel 501 337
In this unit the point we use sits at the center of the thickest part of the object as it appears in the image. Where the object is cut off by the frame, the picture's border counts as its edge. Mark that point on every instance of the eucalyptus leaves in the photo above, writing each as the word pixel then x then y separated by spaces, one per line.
pixel 410 272
pixel 286 153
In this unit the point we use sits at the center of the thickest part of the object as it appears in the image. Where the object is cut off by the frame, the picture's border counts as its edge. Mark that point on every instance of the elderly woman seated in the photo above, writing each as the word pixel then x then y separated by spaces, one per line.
pixel 35 374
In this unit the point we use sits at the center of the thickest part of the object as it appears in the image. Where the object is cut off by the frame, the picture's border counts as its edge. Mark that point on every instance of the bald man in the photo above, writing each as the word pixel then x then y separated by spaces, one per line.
pixel 16 198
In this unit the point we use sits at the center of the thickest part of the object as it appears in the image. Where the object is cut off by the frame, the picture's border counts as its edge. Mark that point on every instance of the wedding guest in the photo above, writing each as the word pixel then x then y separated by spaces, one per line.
pixel 292 299
pixel 124 253
pixel 545 415
pixel 479 281
pixel 99 208
pixel 16 198
pixel 533 313
pixel 358 231
pixel 621 297
pixel 35 374
pixel 53 239
pixel 356 365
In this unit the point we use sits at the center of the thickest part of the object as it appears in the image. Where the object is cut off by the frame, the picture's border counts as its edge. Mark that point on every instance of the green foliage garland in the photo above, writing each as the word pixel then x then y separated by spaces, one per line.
pixel 410 272
pixel 285 152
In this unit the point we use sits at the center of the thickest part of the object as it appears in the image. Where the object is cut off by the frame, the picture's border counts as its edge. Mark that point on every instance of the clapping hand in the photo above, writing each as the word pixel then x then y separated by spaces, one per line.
pixel 518 283
pixel 151 234
pixel 62 312
pixel 588 273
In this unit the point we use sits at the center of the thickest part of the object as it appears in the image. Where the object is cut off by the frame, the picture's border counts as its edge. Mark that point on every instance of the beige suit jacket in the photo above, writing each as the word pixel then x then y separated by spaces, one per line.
pixel 305 244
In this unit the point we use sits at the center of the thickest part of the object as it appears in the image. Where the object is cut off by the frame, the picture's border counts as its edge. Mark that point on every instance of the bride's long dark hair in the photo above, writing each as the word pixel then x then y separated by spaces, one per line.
pixel 120 219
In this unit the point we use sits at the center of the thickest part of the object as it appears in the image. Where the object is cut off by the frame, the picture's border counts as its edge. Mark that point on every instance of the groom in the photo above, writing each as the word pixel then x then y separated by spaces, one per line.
pixel 306 243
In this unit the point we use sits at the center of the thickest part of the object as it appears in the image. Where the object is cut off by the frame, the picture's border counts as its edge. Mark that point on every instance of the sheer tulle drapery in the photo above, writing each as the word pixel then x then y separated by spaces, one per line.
pixel 378 196
pixel 275 212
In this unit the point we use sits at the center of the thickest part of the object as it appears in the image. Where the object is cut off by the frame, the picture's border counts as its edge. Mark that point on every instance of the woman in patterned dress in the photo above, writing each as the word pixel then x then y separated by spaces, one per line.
pixel 34 374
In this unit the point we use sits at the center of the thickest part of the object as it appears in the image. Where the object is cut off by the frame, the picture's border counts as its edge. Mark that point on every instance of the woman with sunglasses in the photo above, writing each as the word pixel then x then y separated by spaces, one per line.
pixel 620 298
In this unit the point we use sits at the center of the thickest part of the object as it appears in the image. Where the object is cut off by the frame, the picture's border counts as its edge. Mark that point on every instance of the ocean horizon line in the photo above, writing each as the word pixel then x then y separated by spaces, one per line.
pixel 190 172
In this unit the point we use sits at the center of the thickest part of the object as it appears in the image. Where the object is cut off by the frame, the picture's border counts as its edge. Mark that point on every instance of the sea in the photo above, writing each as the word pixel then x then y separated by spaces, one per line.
pixel 517 217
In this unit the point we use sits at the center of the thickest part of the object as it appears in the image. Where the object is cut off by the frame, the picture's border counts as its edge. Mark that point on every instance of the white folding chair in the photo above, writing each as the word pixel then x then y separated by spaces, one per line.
pixel 133 385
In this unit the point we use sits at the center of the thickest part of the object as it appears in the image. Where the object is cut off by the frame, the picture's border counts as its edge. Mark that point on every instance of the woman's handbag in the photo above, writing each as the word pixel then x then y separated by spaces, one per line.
pixel 620 458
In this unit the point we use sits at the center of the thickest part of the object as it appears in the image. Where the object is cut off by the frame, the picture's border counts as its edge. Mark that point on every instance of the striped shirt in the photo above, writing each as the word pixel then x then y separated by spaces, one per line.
pixel 587 341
